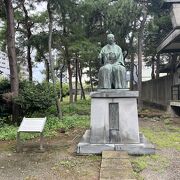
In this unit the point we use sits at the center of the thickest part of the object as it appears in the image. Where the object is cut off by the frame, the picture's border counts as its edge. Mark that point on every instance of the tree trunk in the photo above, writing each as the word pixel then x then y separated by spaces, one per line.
pixel 47 69
pixel 80 81
pixel 152 72
pixel 140 53
pixel 132 57
pixel 76 79
pixel 29 62
pixel 70 82
pixel 52 62
pixel 61 86
pixel 12 56
pixel 132 72
pixel 90 75
pixel 11 48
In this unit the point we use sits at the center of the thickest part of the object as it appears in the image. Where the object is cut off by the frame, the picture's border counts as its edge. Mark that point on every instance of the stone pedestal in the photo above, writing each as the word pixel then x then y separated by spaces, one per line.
pixel 114 124
pixel 114 117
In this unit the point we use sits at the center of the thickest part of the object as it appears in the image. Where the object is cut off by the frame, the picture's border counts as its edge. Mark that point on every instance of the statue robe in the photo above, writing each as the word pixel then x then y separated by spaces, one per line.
pixel 113 72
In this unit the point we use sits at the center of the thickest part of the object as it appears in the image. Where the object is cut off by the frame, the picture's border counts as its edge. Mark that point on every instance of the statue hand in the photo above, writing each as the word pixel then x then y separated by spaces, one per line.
pixel 121 64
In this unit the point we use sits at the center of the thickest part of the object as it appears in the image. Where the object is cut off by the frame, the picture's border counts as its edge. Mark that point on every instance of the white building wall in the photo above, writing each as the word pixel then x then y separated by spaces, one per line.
pixel 4 65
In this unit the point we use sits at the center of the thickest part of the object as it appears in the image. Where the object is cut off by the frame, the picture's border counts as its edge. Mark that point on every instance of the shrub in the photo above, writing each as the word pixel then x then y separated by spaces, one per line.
pixel 65 89
pixel 35 97
pixel 5 106
pixel 4 86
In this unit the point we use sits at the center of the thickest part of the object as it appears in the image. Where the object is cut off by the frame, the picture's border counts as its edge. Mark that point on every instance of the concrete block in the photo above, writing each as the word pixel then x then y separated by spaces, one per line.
pixel 116 163
pixel 115 155
pixel 85 147
pixel 115 174
pixel 114 93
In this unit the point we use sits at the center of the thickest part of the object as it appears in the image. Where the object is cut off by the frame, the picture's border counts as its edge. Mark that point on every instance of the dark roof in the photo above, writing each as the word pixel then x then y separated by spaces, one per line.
pixel 171 43
pixel 167 3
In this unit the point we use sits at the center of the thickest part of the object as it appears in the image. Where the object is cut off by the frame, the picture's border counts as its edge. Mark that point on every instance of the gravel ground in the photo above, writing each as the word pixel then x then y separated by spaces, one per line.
pixel 171 172
pixel 170 169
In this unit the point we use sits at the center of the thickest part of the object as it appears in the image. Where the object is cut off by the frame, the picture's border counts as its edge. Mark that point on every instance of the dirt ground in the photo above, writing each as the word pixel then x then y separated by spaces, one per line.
pixel 59 160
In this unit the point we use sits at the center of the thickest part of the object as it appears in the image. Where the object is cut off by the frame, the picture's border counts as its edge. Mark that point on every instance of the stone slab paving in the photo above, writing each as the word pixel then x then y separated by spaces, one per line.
pixel 115 165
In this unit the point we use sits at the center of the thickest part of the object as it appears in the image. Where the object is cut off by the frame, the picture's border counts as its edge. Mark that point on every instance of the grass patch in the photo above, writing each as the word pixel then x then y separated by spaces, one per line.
pixel 8 132
pixel 68 163
pixel 158 162
pixel 154 162
pixel 139 164
pixel 166 138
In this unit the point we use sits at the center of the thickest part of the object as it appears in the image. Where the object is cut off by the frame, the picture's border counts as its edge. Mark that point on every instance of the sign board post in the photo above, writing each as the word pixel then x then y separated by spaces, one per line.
pixel 31 125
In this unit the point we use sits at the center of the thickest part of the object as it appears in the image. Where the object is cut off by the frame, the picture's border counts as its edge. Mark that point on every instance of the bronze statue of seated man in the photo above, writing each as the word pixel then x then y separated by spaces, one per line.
pixel 112 74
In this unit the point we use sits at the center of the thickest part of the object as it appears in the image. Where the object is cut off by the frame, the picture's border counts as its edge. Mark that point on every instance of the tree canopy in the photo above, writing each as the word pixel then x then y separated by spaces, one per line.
pixel 78 31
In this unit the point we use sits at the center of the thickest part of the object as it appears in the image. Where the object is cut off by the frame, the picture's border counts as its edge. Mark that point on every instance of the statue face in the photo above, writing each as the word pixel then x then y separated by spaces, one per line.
pixel 110 39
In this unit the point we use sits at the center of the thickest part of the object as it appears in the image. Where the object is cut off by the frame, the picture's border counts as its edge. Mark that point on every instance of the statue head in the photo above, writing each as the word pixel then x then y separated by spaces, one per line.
pixel 110 38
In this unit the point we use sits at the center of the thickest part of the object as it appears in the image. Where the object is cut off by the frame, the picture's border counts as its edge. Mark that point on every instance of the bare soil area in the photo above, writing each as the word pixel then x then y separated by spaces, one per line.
pixel 58 161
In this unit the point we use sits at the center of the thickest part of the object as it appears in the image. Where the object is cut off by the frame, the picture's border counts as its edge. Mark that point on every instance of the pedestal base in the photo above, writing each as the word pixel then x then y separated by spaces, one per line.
pixel 114 117
pixel 85 147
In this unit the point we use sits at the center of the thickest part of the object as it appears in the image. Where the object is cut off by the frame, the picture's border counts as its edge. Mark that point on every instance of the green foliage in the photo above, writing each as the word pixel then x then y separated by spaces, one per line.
pixel 65 89
pixel 75 116
pixel 52 126
pixel 76 121
pixel 5 109
pixel 158 26
pixel 3 31
pixel 70 120
pixel 139 164
pixel 82 107
pixel 8 132
pixel 35 97
pixel 4 85
pixel 121 17
pixel 36 40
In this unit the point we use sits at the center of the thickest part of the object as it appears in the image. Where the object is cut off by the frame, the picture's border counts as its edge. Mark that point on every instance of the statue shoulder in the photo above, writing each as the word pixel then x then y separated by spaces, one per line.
pixel 103 49
pixel 118 47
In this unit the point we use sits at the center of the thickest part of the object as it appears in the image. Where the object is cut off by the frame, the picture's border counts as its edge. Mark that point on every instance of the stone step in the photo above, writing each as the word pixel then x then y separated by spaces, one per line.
pixel 115 165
